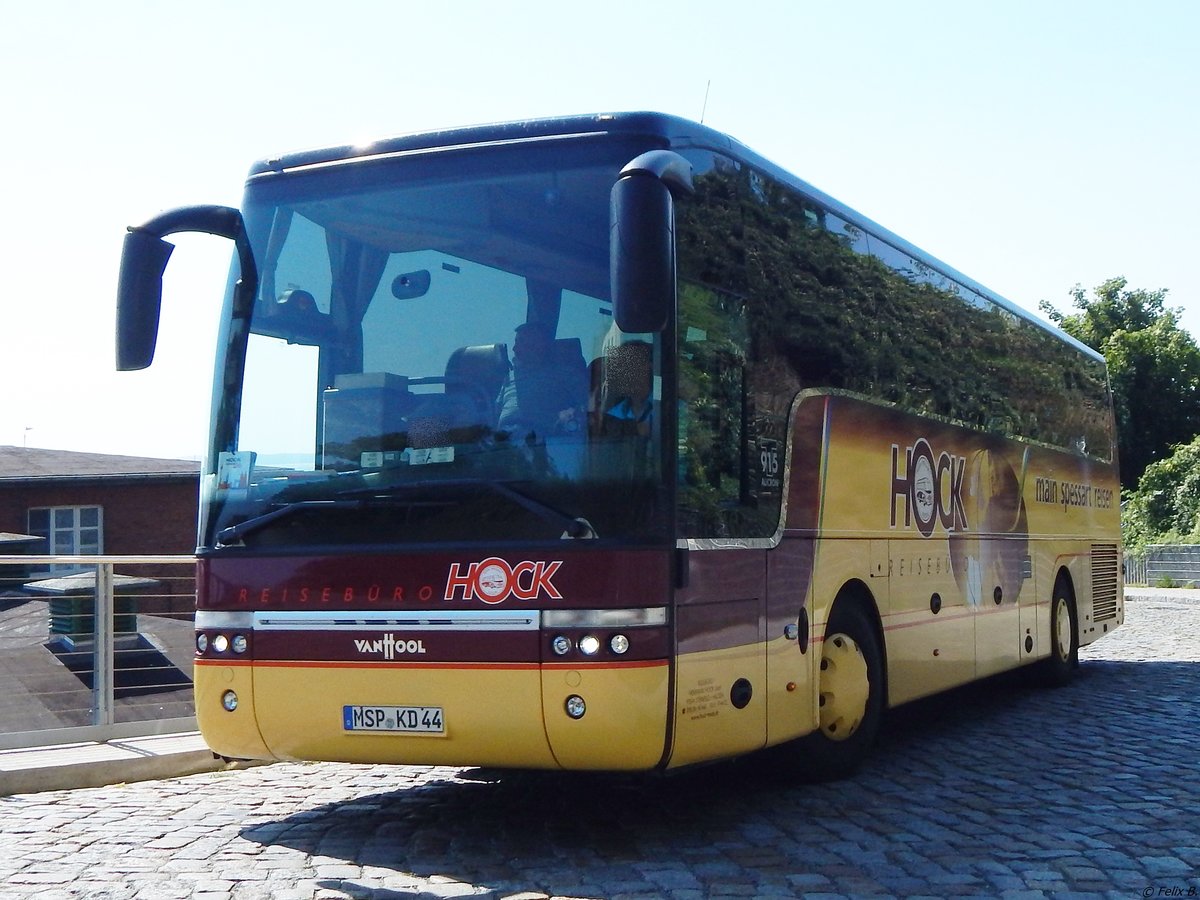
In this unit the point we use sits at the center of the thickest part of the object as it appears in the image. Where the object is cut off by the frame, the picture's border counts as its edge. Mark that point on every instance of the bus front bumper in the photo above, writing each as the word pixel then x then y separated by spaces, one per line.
pixel 540 716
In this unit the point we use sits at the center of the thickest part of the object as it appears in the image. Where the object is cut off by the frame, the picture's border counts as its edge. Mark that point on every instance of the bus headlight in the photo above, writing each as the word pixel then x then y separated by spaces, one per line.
pixel 575 706
pixel 229 701
pixel 561 645
pixel 239 643
pixel 619 644
pixel 220 643
pixel 589 645
pixel 202 642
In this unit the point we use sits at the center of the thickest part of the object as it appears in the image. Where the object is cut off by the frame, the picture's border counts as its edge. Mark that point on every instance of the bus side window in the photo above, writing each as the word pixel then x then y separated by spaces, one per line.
pixel 712 414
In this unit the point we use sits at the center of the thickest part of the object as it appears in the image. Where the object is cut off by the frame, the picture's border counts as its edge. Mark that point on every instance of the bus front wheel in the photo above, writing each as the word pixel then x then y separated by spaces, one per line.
pixel 851 696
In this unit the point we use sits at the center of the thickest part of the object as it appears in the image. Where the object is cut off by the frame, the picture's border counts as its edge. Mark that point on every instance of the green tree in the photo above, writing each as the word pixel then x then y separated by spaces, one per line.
pixel 1165 508
pixel 1153 367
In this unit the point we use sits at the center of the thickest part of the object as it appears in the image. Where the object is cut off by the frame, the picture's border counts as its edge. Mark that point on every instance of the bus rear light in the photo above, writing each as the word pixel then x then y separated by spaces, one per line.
pixel 229 700
pixel 619 644
pixel 575 707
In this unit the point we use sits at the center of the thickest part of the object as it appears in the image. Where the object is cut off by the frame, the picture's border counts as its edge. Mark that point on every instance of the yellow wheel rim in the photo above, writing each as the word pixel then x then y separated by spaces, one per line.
pixel 845 687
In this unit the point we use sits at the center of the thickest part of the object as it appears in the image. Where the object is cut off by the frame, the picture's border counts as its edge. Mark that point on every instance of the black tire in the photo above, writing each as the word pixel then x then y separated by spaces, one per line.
pixel 849 722
pixel 1059 668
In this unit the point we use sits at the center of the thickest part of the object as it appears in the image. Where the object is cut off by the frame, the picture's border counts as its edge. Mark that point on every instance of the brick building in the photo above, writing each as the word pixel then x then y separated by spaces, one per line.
pixel 85 503
pixel 67 503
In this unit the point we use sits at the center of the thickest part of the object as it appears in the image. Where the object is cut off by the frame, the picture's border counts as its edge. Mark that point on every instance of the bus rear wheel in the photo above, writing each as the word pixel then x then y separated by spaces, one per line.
pixel 1060 667
pixel 851 697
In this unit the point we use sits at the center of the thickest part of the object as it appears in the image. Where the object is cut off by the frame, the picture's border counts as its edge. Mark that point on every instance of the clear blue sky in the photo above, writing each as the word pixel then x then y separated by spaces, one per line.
pixel 1031 144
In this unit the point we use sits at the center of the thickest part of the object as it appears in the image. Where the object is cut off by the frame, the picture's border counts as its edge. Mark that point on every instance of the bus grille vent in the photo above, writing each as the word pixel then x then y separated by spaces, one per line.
pixel 1106 569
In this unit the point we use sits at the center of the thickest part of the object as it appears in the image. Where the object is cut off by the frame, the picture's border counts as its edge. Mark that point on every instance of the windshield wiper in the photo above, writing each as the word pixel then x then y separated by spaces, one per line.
pixel 575 527
pixel 234 533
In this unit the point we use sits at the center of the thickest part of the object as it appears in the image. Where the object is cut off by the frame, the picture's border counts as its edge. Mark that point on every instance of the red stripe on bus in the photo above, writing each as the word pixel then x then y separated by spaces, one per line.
pixel 342 664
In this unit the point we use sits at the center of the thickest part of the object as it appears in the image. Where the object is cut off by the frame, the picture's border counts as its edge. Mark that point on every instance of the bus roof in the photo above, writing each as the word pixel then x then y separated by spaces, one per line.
pixel 671 131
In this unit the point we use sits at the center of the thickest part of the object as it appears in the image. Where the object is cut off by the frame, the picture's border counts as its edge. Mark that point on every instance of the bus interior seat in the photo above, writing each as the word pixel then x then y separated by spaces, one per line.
pixel 567 356
pixel 477 373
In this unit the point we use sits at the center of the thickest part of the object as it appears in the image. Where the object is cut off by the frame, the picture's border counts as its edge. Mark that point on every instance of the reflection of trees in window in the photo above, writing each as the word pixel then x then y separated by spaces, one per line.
pixel 822 311
pixel 712 416
pixel 734 392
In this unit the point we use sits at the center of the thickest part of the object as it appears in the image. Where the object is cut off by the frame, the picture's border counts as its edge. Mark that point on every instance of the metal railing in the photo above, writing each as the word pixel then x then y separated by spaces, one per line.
pixel 95 648
pixel 1164 565
pixel 1135 570
pixel 1175 564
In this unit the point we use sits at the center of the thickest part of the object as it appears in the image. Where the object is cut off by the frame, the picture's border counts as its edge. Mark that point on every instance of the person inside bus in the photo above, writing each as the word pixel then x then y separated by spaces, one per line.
pixel 627 396
pixel 544 393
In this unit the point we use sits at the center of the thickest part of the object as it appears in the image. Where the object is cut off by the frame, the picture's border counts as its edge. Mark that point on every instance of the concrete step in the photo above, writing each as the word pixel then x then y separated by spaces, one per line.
pixel 94 764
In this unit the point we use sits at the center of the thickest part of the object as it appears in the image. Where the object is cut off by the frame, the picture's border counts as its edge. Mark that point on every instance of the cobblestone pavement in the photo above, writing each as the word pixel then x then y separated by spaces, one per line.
pixel 995 790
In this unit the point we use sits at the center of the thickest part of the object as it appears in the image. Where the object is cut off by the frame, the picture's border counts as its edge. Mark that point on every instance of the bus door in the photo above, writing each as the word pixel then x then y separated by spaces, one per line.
pixel 721 669
pixel 722 531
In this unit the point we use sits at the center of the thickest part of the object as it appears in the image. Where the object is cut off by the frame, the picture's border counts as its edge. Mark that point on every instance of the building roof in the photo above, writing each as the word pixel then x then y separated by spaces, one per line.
pixel 33 464
pixel 9 538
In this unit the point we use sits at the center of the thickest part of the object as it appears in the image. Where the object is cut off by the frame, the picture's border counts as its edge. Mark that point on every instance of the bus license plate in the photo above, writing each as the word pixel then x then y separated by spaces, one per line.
pixel 400 719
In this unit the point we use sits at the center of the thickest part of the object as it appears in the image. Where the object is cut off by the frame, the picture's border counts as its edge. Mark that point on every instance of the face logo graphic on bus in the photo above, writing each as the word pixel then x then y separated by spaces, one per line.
pixel 922 491
pixel 989 564
pixel 931 488
pixel 494 580
pixel 491 582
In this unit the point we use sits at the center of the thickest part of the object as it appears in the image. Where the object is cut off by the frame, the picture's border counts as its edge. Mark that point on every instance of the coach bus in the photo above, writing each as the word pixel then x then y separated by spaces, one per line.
pixel 604 443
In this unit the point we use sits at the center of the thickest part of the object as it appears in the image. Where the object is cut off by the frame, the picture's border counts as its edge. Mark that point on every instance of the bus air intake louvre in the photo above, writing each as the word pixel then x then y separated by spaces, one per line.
pixel 1105 569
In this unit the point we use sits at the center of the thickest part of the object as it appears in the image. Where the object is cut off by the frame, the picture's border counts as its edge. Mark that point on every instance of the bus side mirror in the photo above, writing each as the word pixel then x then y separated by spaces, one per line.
pixel 139 298
pixel 642 239
pixel 143 261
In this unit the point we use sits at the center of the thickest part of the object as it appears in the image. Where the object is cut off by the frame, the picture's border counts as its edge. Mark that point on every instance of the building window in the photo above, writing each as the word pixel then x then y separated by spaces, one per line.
pixel 69 531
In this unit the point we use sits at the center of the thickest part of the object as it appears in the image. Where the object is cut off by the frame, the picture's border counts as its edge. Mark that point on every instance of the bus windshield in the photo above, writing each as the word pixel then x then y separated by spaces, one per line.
pixel 430 356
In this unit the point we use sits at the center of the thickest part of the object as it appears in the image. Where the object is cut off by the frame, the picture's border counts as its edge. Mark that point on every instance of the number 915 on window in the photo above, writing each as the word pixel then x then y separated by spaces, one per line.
pixel 394 719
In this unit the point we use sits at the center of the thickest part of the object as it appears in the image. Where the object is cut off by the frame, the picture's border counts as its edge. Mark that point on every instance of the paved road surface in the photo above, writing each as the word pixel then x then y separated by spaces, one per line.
pixel 995 790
